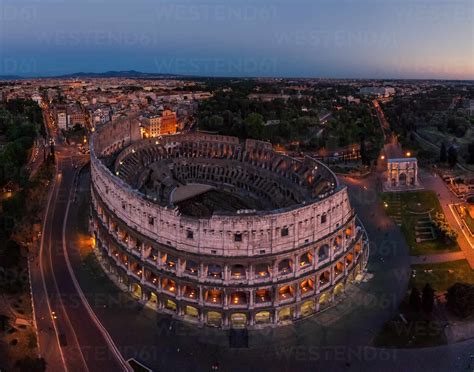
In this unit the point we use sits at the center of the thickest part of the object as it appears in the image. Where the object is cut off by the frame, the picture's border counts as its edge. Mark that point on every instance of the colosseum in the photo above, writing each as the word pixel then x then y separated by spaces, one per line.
pixel 219 231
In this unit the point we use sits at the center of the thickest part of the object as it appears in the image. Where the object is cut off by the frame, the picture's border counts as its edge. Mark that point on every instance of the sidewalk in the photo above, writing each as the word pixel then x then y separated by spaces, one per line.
pixel 446 199
pixel 437 258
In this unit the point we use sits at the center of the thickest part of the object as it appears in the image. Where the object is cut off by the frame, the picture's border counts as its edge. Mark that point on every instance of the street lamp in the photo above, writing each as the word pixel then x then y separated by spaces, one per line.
pixel 408 153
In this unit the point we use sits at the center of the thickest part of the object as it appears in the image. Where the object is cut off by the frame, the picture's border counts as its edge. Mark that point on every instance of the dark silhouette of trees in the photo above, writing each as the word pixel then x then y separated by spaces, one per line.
pixel 363 151
pixel 452 156
pixel 470 150
pixel 443 153
pixel 415 299
pixel 460 299
pixel 427 299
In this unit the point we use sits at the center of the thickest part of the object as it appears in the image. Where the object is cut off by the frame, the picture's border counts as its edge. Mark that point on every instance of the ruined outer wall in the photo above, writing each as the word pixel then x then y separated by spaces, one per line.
pixel 261 233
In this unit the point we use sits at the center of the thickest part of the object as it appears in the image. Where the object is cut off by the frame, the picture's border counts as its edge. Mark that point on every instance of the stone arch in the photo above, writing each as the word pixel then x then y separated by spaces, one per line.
pixel 402 179
pixel 323 252
pixel 238 320
pixel 214 318
pixel 307 308
pixel 338 289
pixel 263 317
pixel 285 314
pixel 136 290
pixel 324 298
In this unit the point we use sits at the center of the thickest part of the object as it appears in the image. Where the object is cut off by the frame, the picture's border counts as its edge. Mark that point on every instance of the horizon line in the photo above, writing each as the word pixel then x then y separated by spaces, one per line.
pixel 286 77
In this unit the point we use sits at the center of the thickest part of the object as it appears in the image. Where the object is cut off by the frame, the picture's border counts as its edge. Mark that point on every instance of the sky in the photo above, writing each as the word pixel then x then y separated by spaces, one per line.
pixel 290 38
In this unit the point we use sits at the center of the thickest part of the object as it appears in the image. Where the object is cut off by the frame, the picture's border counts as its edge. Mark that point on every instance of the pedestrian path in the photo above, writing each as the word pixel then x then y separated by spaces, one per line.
pixel 437 258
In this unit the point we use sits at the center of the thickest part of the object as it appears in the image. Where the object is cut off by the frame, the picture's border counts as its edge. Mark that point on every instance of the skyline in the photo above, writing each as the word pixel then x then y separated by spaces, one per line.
pixel 396 40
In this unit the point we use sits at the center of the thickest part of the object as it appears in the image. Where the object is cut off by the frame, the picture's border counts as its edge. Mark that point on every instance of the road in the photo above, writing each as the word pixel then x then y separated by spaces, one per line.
pixel 70 336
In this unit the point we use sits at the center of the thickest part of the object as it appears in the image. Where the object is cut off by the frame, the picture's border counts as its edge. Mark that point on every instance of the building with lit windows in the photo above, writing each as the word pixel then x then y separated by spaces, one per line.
pixel 219 231
pixel 158 125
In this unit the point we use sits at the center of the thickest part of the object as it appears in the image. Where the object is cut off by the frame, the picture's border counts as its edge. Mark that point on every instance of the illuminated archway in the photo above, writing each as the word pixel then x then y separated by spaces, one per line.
pixel 238 320
pixel 263 317
pixel 214 318
pixel 307 308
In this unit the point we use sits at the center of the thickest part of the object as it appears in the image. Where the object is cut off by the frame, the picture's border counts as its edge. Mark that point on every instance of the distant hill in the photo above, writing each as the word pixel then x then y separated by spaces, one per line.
pixel 117 74
pixel 10 77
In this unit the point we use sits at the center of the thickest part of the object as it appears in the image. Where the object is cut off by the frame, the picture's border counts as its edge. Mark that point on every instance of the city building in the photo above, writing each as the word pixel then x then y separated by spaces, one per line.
pixel 377 91
pixel 60 113
pixel 75 116
pixel 158 125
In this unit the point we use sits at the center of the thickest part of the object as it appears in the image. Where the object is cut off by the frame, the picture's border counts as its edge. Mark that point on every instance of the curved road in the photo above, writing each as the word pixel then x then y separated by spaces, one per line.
pixel 70 336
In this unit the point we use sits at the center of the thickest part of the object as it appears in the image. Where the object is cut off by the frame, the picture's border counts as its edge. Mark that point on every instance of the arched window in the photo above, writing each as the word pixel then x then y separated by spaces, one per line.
pixel 323 252
pixel 324 218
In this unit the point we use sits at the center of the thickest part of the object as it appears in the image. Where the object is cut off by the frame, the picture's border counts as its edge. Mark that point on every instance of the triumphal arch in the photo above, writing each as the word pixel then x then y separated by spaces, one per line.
pixel 402 174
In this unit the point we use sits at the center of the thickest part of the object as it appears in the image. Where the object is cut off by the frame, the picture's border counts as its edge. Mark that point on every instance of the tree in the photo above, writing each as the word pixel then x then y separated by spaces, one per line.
pixel 427 299
pixel 470 150
pixel 253 126
pixel 443 153
pixel 363 151
pixel 460 299
pixel 415 299
pixel 452 156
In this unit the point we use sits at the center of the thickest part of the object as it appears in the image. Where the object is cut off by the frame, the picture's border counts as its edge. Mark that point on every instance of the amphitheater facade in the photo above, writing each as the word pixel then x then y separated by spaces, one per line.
pixel 219 231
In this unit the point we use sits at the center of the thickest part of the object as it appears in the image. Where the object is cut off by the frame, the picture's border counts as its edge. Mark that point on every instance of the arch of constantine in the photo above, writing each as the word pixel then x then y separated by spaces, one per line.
pixel 402 175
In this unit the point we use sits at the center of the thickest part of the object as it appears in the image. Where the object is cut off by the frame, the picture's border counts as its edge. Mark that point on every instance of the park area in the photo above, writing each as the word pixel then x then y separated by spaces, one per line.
pixel 422 221
pixel 416 328
pixel 442 275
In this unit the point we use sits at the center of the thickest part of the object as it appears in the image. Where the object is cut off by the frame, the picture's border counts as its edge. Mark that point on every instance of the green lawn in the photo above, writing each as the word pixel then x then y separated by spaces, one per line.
pixel 412 203
pixel 442 275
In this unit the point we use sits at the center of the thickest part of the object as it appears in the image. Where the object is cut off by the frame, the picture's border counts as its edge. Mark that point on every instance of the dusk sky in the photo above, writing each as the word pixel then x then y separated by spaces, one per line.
pixel 314 38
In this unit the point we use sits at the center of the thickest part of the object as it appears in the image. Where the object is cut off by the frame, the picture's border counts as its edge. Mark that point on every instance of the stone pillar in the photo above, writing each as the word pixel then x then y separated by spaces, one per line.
pixel 250 274
pixel 225 296
pixel 180 267
pixel 202 272
pixel 201 295
pixel 226 272
pixel 296 264
pixel 251 319
pixel 275 271
pixel 298 292
pixel 314 264
pixel 296 312
pixel 225 319
pixel 159 263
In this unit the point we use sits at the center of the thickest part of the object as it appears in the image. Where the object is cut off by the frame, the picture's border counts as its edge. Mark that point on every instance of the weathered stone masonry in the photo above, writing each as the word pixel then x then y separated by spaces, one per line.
pixel 265 267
